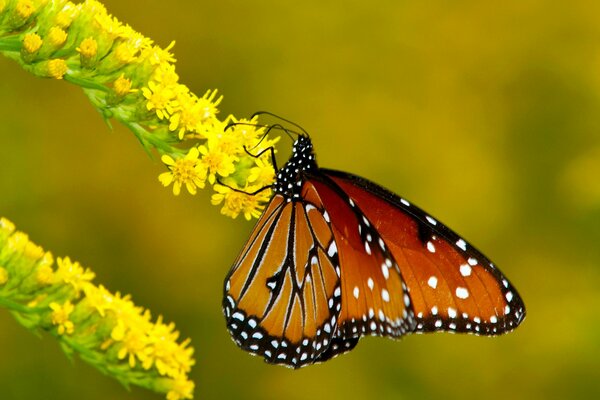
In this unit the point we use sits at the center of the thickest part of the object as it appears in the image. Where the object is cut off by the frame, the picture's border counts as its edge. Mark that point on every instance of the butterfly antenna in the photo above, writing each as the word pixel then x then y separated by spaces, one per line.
pixel 280 118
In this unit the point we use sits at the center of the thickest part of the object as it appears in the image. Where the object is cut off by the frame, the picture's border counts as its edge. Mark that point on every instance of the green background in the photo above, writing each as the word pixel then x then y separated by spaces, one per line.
pixel 485 115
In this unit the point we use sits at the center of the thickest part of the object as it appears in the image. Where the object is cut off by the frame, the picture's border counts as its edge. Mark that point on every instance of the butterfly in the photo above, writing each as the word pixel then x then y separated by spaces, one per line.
pixel 335 257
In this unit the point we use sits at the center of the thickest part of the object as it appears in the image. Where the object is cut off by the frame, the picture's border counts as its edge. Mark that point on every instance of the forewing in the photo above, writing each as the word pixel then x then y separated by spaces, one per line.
pixel 283 292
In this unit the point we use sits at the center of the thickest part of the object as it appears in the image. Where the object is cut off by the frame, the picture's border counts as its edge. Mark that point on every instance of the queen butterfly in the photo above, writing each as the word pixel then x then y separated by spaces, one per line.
pixel 335 257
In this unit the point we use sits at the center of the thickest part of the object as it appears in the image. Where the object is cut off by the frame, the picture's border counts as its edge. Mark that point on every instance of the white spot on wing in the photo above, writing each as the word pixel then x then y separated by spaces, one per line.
pixel 461 244
pixel 430 220
pixel 385 271
pixel 465 270
pixel 432 282
pixel 385 295
pixel 332 249
pixel 430 247
pixel 462 293
pixel 356 292
pixel 370 283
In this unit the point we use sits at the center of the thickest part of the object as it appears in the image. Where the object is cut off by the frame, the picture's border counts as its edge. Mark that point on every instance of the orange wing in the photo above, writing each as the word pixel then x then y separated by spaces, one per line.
pixel 375 299
pixel 453 287
pixel 283 293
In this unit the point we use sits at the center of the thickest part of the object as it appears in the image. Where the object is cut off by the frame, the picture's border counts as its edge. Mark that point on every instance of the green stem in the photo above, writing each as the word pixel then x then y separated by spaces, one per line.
pixel 11 305
pixel 10 44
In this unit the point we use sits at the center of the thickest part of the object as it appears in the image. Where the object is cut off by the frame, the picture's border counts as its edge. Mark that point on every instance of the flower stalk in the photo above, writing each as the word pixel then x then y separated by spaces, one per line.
pixel 130 79
pixel 106 330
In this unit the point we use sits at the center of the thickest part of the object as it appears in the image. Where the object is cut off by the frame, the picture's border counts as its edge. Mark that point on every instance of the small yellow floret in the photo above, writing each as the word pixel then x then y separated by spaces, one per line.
pixel 60 317
pixel 56 36
pixel 73 273
pixel 6 226
pixel 57 68
pixel 88 47
pixel 2 5
pixel 44 275
pixel 25 8
pixel 216 161
pixel 3 275
pixel 240 202
pixel 125 52
pixel 32 42
pixel 122 86
pixel 184 171
pixel 66 16
pixel 182 388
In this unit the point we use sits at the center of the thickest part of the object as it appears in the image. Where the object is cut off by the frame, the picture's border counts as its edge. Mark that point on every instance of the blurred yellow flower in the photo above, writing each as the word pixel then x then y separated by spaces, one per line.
pixel 3 275
pixel 60 317
pixel 108 330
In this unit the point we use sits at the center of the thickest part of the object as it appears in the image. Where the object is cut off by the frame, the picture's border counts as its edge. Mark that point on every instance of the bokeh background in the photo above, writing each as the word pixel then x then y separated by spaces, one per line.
pixel 486 115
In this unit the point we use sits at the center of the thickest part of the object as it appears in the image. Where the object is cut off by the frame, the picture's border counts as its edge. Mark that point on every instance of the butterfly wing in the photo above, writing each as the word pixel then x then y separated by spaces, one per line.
pixel 283 293
pixel 375 299
pixel 453 287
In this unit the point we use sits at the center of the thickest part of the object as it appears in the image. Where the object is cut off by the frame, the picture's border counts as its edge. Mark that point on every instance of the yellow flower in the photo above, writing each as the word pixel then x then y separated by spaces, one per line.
pixel 186 171
pixel 2 5
pixel 72 273
pixel 264 173
pixel 122 86
pixel 32 42
pixel 88 47
pixel 6 226
pixel 65 17
pixel 3 275
pixel 160 98
pixel 165 74
pixel 25 8
pixel 132 342
pixel 44 275
pixel 108 24
pixel 240 202
pixel 98 298
pixel 182 388
pixel 190 116
pixel 56 36
pixel 60 317
pixel 158 56
pixel 208 105
pixel 216 161
pixel 125 52
pixel 56 68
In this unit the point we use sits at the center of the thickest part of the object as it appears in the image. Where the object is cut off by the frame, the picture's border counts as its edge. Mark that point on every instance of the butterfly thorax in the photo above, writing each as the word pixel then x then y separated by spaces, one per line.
pixel 291 176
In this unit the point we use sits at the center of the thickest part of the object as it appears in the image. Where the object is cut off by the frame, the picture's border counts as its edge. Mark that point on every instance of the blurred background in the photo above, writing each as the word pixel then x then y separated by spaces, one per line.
pixel 485 115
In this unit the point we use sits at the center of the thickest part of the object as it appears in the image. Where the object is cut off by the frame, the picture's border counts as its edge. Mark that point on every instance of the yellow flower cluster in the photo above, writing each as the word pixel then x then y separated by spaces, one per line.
pixel 129 78
pixel 107 330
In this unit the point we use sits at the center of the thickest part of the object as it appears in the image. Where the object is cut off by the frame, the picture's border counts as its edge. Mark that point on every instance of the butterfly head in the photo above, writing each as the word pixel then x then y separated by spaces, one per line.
pixel 291 176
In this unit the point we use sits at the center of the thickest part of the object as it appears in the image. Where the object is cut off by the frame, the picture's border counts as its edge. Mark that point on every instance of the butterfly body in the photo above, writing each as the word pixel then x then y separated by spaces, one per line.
pixel 335 257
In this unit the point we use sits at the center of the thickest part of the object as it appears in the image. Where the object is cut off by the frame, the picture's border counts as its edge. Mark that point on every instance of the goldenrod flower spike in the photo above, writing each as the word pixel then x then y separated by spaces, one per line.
pixel 106 330
pixel 128 78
